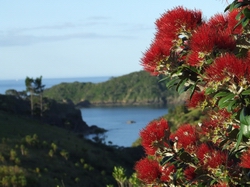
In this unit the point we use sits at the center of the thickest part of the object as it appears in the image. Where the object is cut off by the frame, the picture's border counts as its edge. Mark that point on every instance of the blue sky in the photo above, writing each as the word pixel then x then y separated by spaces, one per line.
pixel 80 38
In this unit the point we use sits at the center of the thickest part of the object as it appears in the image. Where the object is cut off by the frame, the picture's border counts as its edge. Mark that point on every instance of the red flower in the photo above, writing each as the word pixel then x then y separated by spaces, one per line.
pixel 202 151
pixel 217 119
pixel 194 59
pixel 245 159
pixel 189 173
pixel 153 134
pixel 213 35
pixel 148 170
pixel 185 136
pixel 221 184
pixel 179 19
pixel 227 67
pixel 203 40
pixel 219 21
pixel 170 26
pixel 210 157
pixel 232 22
pixel 167 170
pixel 209 125
pixel 175 23
pixel 225 40
pixel 197 98
pixel 151 58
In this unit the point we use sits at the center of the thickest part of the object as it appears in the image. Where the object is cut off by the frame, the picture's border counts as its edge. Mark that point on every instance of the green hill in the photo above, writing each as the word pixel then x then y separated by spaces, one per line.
pixel 35 153
pixel 138 88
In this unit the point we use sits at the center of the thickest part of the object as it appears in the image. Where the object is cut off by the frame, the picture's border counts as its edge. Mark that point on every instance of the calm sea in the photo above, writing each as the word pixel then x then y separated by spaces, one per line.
pixel 113 119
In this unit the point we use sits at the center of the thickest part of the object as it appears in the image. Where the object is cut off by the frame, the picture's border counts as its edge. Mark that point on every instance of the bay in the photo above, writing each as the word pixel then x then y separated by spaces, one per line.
pixel 115 120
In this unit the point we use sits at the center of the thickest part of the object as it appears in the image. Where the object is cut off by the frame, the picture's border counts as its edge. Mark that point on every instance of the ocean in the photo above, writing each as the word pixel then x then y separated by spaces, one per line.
pixel 114 119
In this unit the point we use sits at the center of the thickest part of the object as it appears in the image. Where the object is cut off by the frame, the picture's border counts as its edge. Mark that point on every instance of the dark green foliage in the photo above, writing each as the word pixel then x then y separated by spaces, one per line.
pixel 134 88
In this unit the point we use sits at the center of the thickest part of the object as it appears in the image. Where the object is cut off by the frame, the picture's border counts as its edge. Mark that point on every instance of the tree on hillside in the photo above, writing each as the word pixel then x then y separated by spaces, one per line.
pixel 39 88
pixel 35 88
pixel 30 87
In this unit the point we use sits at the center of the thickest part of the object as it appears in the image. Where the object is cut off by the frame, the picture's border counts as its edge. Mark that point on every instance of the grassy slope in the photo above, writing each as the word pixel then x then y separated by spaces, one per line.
pixel 88 164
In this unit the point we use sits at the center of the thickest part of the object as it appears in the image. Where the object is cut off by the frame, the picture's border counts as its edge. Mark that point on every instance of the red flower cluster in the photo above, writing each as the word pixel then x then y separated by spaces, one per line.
pixel 197 99
pixel 172 27
pixel 189 173
pixel 245 159
pixel 185 137
pixel 217 125
pixel 166 172
pixel 228 68
pixel 153 135
pixel 148 170
pixel 209 157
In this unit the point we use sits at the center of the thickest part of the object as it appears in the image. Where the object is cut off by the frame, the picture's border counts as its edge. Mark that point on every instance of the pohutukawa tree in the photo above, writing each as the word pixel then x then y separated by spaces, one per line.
pixel 35 88
pixel 211 60
pixel 30 87
pixel 39 91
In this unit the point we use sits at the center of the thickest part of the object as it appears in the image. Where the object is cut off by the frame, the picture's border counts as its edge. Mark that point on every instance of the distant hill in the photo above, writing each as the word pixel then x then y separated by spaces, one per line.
pixel 137 88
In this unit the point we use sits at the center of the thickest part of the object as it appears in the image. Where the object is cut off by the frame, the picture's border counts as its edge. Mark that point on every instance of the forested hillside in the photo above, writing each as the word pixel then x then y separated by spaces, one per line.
pixel 138 88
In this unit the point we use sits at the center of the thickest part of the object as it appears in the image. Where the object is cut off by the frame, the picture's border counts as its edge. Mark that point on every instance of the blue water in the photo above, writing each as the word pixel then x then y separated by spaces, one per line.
pixel 115 120
pixel 19 85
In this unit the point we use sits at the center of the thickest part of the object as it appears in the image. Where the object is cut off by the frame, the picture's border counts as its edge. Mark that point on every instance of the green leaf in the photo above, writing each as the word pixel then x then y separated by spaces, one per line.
pixel 221 94
pixel 212 182
pixel 181 86
pixel 233 134
pixel 166 160
pixel 245 92
pixel 244 121
pixel 192 90
pixel 230 105
pixel 223 102
pixel 239 138
pixel 246 12
pixel 246 131
pixel 245 22
pixel 209 91
pixel 186 157
pixel 172 82
pixel 163 79
pixel 238 16
pixel 239 4
pixel 230 7
pixel 242 21
pixel 193 69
